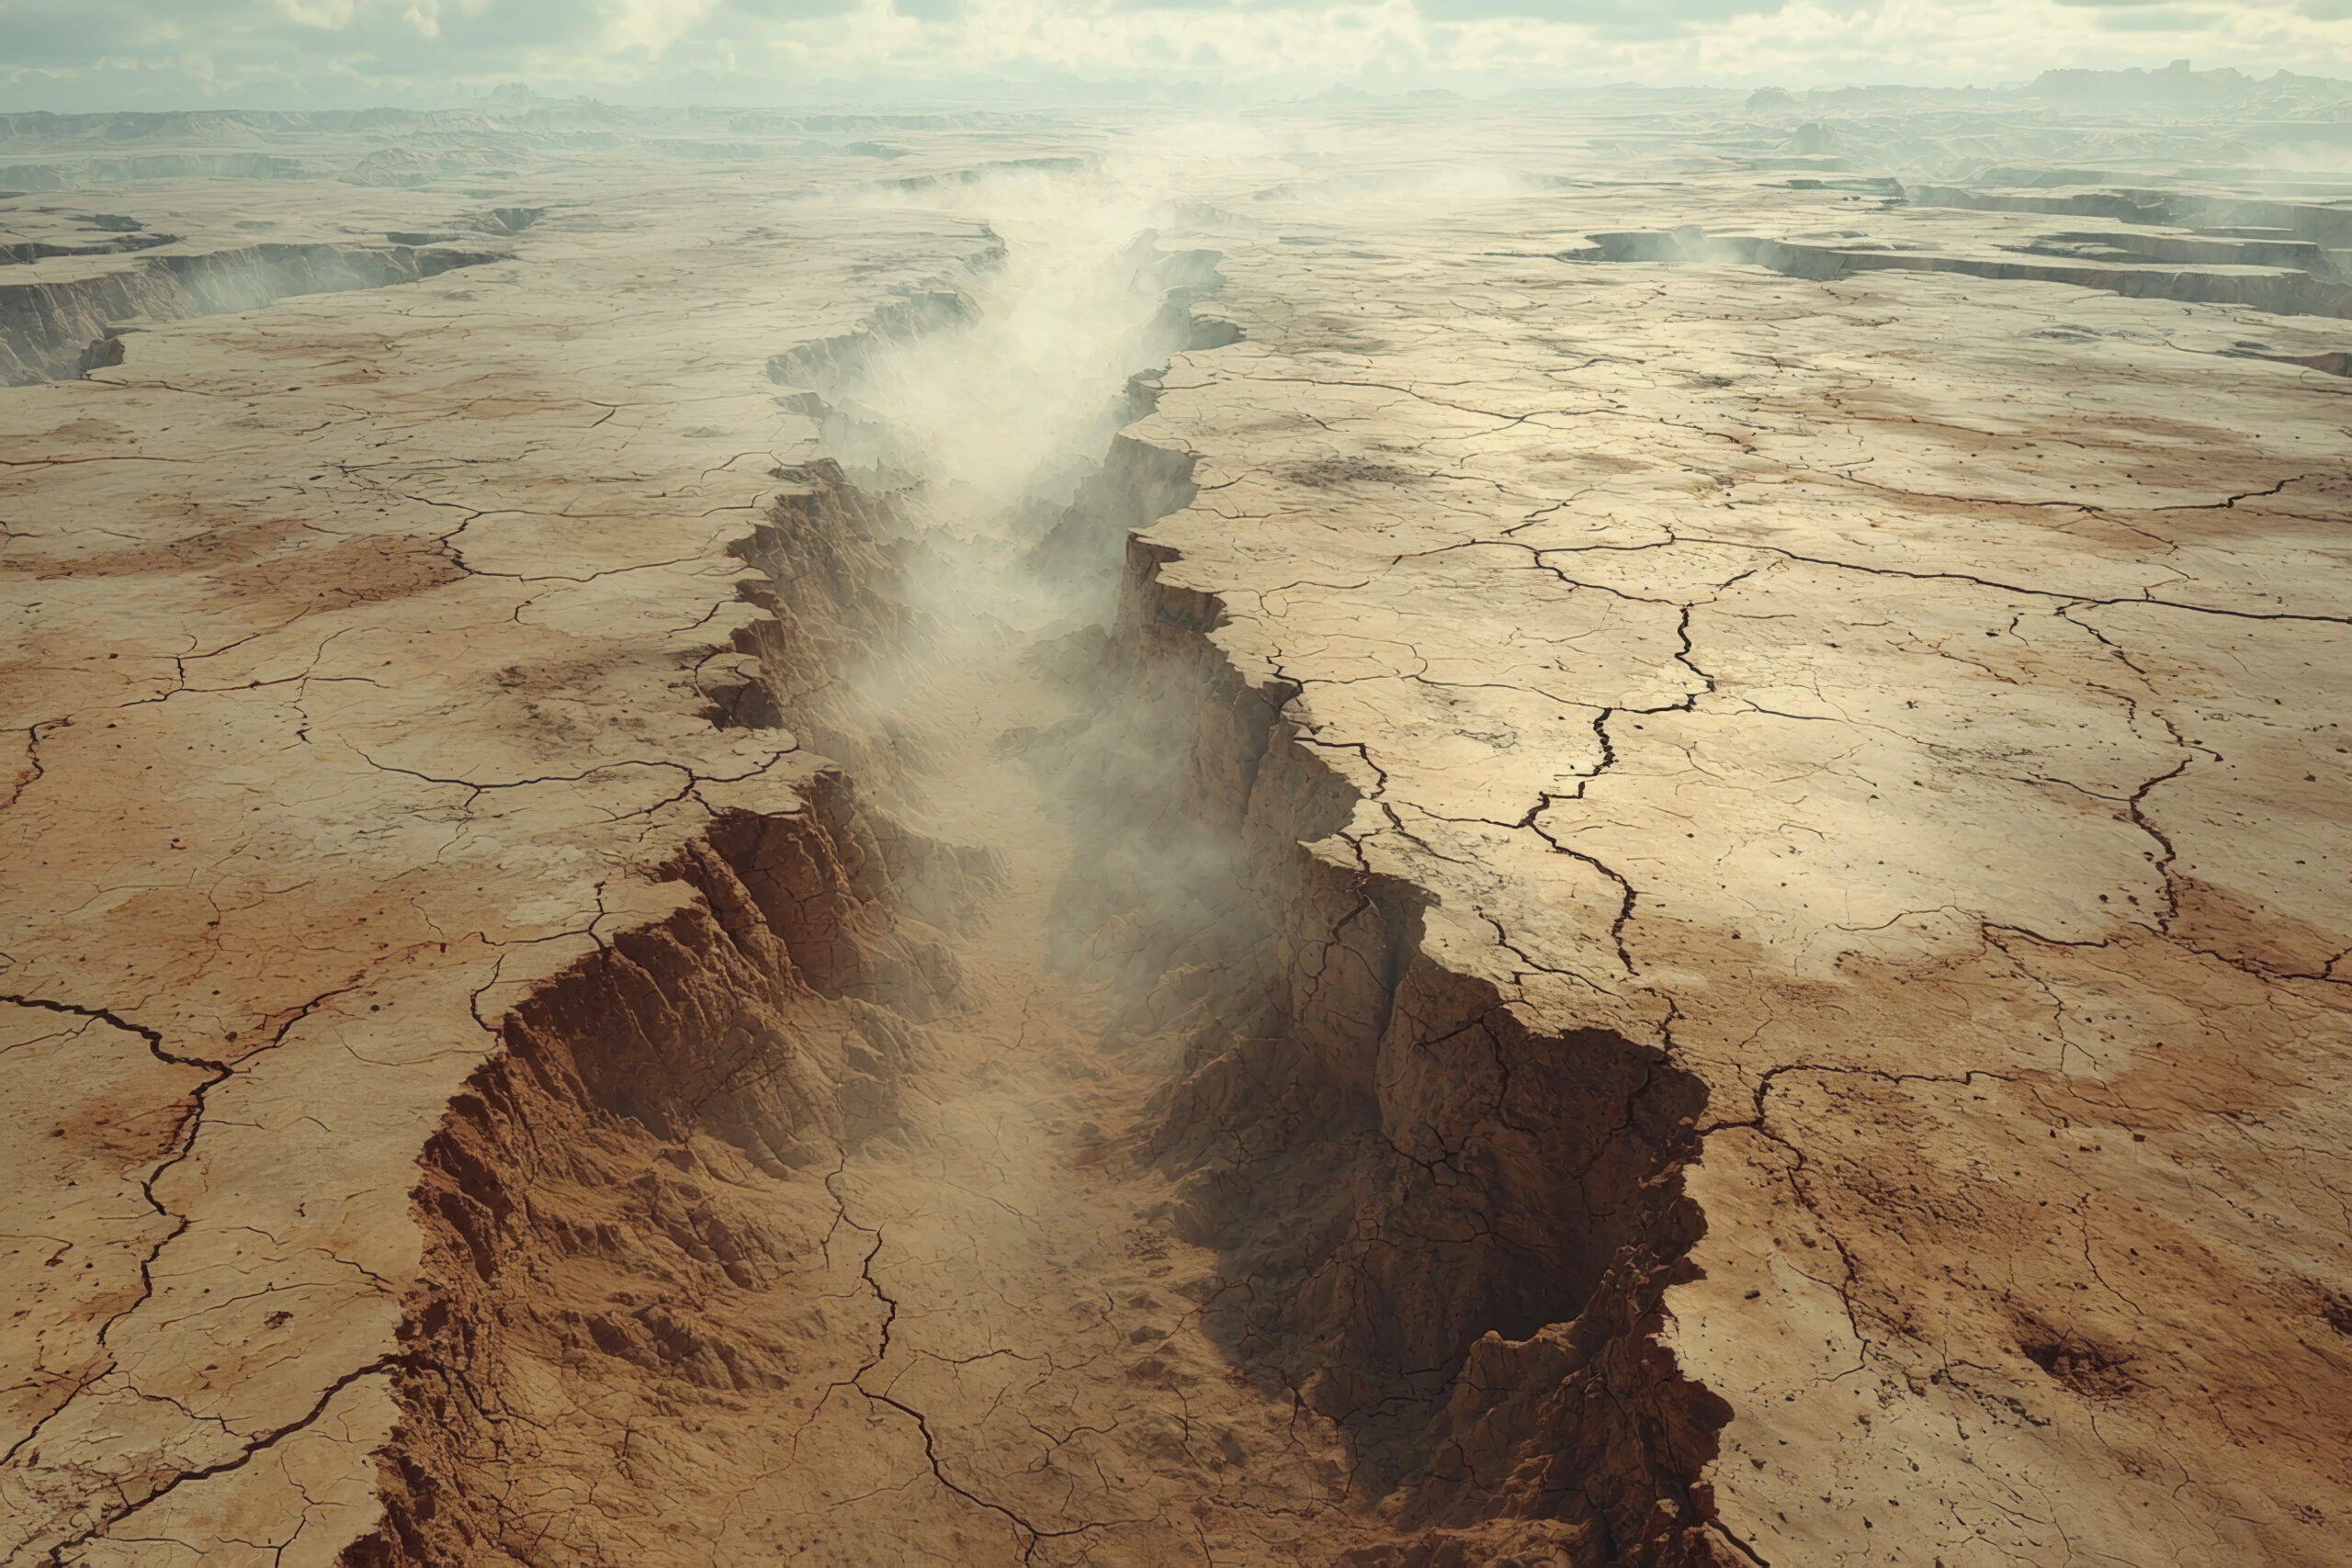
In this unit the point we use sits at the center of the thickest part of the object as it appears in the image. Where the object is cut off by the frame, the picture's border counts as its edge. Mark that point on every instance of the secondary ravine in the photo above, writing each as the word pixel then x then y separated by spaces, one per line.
pixel 1041 1380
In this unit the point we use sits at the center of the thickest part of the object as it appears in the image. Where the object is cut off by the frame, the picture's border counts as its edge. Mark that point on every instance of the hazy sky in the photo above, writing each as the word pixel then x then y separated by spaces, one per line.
pixel 66 54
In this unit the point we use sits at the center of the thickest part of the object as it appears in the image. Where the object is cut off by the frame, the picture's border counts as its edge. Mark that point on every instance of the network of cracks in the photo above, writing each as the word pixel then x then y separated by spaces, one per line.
pixel 1024 1149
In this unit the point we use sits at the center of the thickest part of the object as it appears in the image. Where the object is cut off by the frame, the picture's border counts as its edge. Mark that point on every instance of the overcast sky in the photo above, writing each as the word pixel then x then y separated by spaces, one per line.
pixel 73 54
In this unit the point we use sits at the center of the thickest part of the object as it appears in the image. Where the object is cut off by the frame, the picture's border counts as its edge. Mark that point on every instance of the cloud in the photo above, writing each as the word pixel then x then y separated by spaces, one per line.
pixel 103 53
pixel 755 12
pixel 1355 7
pixel 2159 21
pixel 82 35
pixel 332 15
pixel 1665 14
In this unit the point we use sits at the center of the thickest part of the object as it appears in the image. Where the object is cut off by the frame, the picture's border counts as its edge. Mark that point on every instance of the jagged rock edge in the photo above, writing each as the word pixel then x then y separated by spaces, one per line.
pixel 1618 1439
pixel 789 913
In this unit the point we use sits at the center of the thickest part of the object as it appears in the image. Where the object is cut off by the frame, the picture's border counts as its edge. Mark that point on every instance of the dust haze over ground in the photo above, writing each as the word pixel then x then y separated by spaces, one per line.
pixel 1588 831
pixel 990 421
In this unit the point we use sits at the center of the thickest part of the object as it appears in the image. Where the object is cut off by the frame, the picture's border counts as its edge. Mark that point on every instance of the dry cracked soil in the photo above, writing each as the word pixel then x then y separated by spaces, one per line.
pixel 1398 833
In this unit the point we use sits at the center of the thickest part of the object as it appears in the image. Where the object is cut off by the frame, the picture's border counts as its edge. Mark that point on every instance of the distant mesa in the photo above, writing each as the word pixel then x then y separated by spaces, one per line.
pixel 2178 87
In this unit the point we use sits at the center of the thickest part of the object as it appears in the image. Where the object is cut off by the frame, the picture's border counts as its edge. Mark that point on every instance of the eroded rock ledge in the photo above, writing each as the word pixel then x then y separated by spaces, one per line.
pixel 1872 730
pixel 340 739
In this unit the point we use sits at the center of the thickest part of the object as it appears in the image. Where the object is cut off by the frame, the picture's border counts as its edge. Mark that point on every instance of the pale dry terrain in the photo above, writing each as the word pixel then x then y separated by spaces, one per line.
pixel 1396 834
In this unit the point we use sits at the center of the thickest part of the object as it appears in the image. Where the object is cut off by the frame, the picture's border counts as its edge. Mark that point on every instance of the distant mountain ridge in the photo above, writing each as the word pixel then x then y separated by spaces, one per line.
pixel 2178 87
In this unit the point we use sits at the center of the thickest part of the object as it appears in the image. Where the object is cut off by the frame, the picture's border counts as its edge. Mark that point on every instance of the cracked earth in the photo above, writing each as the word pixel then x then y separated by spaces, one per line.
pixel 1621 862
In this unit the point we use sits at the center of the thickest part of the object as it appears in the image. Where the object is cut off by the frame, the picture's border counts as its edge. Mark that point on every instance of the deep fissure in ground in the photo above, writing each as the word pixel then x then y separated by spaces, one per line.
pixel 1020 1148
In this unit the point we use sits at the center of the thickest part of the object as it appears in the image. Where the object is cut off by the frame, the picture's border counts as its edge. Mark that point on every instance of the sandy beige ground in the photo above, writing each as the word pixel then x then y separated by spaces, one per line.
pixel 1928 698
pixel 1808 1027
pixel 361 650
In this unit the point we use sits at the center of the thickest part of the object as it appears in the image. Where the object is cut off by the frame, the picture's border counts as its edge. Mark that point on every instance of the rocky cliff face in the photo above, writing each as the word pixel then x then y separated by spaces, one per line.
pixel 50 331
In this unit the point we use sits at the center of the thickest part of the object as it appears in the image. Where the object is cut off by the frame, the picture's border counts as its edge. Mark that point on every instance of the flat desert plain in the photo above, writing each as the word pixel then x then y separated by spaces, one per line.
pixel 1381 832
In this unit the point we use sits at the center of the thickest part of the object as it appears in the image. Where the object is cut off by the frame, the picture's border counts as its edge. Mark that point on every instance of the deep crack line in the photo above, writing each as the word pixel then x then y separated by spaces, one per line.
pixel 220 1073
pixel 1035 1533
pixel 253 1450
